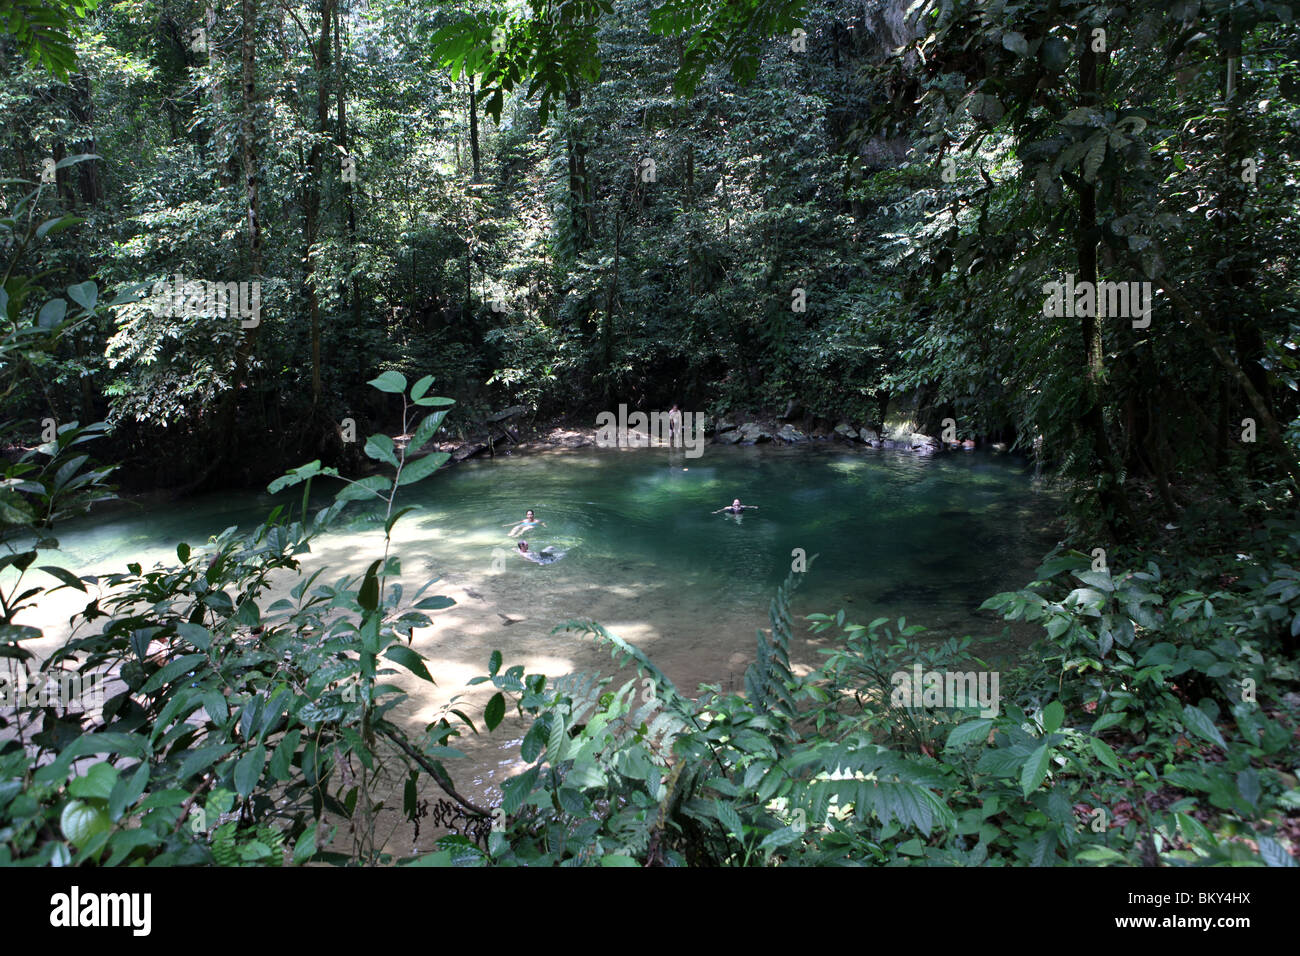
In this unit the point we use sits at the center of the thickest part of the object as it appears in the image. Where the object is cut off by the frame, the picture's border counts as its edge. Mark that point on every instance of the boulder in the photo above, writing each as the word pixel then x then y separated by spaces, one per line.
pixel 724 427
pixel 847 431
pixel 752 432
pixel 788 433
pixel 468 450
pixel 924 444
pixel 729 437
pixel 869 435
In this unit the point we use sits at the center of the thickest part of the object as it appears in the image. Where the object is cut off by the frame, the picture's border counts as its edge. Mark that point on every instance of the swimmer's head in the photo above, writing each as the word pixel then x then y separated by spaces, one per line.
pixel 529 516
pixel 736 503
pixel 523 545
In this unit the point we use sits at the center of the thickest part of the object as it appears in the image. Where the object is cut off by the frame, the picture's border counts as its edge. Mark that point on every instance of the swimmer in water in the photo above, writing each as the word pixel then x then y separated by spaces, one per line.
pixel 735 508
pixel 548 554
pixel 527 524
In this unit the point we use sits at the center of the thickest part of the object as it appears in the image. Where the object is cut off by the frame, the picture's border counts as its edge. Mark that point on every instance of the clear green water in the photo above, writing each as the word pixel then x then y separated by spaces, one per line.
pixel 896 535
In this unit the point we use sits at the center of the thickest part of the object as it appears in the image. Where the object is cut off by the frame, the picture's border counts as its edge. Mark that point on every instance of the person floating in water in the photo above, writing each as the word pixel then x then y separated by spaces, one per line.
pixel 734 508
pixel 548 554
pixel 527 524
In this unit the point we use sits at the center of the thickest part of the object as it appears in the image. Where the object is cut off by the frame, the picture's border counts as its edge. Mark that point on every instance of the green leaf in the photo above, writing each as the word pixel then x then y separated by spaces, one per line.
pixel 425 431
pixel 1195 720
pixel 1274 853
pixel 52 313
pixel 369 487
pixel 249 770
pixel 409 659
pixel 195 634
pixel 368 596
pixel 390 381
pixel 436 603
pixel 171 671
pixel 67 577
pixel 422 467
pixel 495 711
pixel 304 849
pixel 1015 42
pixel 74 160
pixel 380 448
pixel 968 731
pixel 127 791
pixel 1104 753
pixel 53 227
pixel 15 510
pixel 85 294
pixel 419 389
pixel 1053 717
pixel 97 784
pixel 1035 770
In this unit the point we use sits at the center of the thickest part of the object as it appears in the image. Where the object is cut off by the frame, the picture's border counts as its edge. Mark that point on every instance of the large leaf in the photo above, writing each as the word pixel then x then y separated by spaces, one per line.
pixel 1195 720
pixel 249 770
pixel 1035 769
pixel 495 711
pixel 390 381
pixel 425 431
pixel 968 731
pixel 380 448
pixel 409 659
pixel 422 467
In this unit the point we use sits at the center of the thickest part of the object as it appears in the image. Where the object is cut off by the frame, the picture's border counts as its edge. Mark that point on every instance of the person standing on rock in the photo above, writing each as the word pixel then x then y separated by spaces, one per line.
pixel 674 426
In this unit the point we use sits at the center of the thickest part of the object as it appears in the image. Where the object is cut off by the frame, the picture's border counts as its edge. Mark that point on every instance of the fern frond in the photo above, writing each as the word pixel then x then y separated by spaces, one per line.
pixel 625 653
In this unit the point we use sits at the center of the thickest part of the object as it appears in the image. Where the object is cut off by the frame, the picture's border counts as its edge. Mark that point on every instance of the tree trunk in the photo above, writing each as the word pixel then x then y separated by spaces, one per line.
pixel 473 129
pixel 352 295
pixel 312 203
pixel 1110 492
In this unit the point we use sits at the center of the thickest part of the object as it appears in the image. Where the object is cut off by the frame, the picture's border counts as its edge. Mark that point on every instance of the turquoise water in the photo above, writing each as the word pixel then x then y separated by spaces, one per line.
pixel 925 538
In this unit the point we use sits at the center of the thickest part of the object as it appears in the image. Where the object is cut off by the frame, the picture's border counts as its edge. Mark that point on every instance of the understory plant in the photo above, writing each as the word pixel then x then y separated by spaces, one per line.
pixel 211 724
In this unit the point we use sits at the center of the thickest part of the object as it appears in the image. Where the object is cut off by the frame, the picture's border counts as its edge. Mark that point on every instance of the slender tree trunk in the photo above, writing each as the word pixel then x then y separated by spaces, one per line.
pixel 248 161
pixel 1110 492
pixel 248 133
pixel 312 204
pixel 690 221
pixel 611 300
pixel 580 217
pixel 340 65
pixel 473 129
